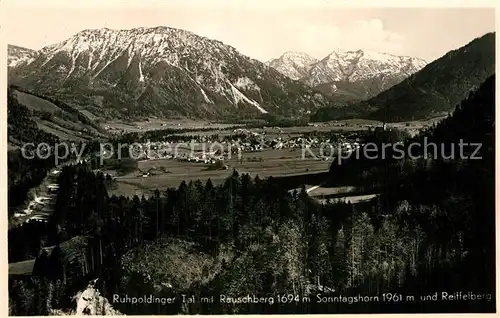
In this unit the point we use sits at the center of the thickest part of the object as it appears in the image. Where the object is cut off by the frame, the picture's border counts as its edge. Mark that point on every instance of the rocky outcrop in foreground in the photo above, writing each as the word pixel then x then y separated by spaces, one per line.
pixel 89 302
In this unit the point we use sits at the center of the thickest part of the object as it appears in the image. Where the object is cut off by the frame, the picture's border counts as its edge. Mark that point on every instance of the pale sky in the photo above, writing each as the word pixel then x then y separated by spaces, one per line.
pixel 265 32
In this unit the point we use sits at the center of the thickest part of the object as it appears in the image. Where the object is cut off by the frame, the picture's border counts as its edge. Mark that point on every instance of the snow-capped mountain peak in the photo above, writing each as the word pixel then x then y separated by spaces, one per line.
pixel 161 67
pixel 343 65
pixel 293 64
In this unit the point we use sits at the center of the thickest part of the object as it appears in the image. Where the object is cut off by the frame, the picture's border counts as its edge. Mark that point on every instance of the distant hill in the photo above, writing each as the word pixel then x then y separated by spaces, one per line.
pixel 431 92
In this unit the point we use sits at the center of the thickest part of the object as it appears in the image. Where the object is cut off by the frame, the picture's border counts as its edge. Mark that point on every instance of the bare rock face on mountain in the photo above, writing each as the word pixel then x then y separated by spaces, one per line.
pixel 348 75
pixel 165 72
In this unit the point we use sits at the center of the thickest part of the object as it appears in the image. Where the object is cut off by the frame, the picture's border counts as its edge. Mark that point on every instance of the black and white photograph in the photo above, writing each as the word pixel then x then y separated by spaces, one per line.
pixel 240 157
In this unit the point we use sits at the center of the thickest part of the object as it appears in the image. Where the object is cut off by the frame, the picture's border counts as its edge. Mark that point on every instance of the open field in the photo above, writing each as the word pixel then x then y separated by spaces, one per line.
pixel 340 126
pixel 157 124
pixel 61 132
pixel 22 268
pixel 154 124
pixel 284 162
pixel 288 131
pixel 62 122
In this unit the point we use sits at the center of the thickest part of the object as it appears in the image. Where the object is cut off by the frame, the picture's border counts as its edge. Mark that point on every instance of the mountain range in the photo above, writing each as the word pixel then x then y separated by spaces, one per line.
pixel 348 75
pixel 173 73
pixel 160 71
pixel 431 92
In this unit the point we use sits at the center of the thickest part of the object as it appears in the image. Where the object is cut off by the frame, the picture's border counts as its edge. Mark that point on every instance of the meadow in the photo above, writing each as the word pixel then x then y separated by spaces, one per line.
pixel 166 173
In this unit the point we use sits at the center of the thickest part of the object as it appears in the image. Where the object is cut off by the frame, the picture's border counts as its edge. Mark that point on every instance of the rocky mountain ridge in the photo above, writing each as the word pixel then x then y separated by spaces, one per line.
pixel 163 71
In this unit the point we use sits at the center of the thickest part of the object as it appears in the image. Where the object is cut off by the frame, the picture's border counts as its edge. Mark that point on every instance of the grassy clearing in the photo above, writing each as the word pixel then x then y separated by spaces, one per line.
pixel 36 103
pixel 59 131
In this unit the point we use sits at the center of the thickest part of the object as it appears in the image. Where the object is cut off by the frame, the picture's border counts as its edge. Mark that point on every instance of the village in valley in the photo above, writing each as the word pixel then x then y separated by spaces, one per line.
pixel 213 152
